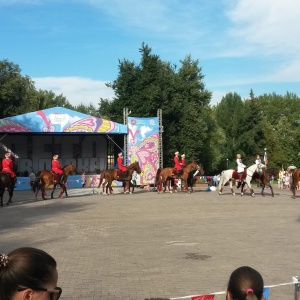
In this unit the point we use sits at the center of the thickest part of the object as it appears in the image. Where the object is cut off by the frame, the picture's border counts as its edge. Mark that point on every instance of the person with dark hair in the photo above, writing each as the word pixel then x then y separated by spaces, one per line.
pixel 28 273
pixel 245 283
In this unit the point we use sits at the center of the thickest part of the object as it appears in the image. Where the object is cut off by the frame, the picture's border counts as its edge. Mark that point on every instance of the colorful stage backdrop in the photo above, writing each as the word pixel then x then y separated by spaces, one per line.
pixel 143 134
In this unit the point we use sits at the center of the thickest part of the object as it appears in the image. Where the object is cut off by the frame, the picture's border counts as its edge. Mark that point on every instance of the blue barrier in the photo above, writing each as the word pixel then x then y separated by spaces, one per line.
pixel 74 181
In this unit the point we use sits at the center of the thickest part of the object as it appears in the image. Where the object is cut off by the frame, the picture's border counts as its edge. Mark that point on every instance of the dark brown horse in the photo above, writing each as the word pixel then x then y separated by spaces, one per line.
pixel 47 178
pixel 6 181
pixel 107 177
pixel 264 178
pixel 165 176
pixel 295 180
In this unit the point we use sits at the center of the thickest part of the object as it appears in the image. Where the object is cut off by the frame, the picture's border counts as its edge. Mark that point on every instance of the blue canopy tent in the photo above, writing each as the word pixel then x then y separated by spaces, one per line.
pixel 34 137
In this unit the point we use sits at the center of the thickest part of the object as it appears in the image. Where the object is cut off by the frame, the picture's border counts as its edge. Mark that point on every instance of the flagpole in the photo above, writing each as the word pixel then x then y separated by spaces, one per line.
pixel 266 157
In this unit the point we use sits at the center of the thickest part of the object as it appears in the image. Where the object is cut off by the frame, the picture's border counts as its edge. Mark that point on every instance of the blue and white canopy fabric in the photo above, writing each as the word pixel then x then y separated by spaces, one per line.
pixel 60 120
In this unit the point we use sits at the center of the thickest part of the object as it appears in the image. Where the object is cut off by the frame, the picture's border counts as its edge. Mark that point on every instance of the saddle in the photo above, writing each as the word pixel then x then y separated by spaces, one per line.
pixel 57 178
pixel 235 174
pixel 120 174
pixel 176 172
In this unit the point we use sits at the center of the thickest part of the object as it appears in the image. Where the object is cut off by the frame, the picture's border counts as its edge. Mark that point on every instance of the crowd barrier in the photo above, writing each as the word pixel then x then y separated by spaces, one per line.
pixel 211 296
pixel 74 181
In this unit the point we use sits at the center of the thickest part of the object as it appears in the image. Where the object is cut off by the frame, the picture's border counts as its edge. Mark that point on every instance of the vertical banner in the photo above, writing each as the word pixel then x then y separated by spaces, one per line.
pixel 143 137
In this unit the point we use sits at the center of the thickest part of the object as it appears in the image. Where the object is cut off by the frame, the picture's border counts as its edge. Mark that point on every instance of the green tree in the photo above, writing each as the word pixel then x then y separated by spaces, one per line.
pixel 17 92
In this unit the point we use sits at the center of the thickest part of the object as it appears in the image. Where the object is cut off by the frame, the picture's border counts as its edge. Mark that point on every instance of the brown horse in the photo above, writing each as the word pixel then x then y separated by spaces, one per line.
pixel 165 176
pixel 295 179
pixel 264 178
pixel 107 177
pixel 47 178
pixel 6 182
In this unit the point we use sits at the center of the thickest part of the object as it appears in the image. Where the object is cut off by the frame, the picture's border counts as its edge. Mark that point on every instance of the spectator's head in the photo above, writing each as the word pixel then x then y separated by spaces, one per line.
pixel 245 283
pixel 28 273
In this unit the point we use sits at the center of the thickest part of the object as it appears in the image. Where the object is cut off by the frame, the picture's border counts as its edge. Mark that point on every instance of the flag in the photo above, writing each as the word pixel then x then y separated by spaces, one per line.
pixel 266 293
pixel 204 297
pixel 266 158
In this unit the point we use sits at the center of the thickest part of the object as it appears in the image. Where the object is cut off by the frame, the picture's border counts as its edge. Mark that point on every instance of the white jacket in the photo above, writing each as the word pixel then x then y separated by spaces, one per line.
pixel 240 166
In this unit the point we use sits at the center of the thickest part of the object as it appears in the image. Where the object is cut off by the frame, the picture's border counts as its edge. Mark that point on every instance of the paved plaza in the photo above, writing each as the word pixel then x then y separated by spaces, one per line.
pixel 150 245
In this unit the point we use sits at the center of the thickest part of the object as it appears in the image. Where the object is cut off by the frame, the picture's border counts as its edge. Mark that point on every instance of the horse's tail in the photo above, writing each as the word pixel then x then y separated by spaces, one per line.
pixel 222 179
pixel 157 177
pixel 36 182
pixel 101 178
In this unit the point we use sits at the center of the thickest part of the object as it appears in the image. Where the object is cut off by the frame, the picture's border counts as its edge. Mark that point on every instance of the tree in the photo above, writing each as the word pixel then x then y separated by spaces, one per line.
pixel 154 84
pixel 16 91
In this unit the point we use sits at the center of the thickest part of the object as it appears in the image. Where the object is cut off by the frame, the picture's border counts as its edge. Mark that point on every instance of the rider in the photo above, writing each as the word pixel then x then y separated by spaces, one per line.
pixel 182 162
pixel 177 166
pixel 258 160
pixel 240 168
pixel 7 166
pixel 121 167
pixel 56 168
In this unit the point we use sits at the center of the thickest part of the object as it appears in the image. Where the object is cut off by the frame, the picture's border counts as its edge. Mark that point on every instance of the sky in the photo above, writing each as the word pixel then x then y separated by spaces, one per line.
pixel 73 47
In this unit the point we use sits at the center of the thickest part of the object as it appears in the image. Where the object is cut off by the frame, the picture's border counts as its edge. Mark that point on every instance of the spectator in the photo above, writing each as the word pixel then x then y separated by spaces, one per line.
pixel 245 283
pixel 83 179
pixel 32 178
pixel 28 273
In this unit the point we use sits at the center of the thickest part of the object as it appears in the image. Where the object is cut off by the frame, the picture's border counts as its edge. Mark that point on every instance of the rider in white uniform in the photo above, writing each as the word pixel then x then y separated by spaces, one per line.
pixel 240 168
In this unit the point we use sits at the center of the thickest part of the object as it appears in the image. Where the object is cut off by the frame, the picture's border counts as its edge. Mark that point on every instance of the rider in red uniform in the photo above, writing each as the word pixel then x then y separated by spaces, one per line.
pixel 177 166
pixel 121 167
pixel 7 166
pixel 55 166
pixel 183 164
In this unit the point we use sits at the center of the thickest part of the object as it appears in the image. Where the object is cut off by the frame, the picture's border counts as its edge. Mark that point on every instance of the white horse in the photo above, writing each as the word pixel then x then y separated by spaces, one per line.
pixel 229 175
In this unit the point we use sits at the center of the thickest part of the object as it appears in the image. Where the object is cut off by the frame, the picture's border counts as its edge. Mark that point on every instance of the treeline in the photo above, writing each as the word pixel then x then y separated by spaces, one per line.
pixel 210 134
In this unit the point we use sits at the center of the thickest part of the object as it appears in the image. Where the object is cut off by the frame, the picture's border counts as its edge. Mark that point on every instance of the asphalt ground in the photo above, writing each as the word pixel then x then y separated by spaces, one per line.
pixel 150 245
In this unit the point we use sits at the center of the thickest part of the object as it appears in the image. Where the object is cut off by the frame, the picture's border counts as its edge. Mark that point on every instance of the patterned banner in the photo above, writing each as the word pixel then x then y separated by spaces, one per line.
pixel 143 137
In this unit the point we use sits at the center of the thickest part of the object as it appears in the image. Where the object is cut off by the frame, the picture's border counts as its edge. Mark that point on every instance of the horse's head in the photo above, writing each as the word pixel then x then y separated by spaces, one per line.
pixel 260 168
pixel 200 169
pixel 135 167
pixel 69 169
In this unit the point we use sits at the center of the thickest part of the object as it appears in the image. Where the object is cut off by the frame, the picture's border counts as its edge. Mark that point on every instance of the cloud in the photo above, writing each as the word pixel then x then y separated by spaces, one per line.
pixel 264 27
pixel 77 90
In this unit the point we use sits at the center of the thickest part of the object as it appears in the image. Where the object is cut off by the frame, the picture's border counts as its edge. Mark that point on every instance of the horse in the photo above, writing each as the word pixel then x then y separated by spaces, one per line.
pixel 6 181
pixel 107 177
pixel 47 178
pixel 191 179
pixel 264 178
pixel 164 176
pixel 229 175
pixel 295 179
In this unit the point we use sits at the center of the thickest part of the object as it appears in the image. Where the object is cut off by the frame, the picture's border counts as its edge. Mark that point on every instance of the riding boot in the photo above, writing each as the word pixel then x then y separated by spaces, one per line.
pixel 240 180
pixel 62 179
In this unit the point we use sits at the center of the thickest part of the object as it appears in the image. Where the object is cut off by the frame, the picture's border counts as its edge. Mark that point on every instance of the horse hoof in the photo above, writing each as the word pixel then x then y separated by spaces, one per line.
pixel 234 194
pixel 242 194
pixel 253 195
pixel 130 193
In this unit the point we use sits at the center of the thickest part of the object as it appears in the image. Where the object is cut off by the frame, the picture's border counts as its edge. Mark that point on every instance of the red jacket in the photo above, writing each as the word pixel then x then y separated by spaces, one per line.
pixel 56 167
pixel 183 163
pixel 120 164
pixel 177 164
pixel 7 166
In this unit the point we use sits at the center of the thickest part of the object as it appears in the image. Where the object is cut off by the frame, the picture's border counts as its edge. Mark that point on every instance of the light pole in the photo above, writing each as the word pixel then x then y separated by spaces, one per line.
pixel 227 163
pixel 265 156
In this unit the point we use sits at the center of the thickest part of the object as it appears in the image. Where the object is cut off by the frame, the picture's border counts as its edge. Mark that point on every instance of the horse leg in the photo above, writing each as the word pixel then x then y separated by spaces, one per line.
pixel 262 189
pixel 1 195
pixel 54 187
pixel 231 188
pixel 10 192
pixel 271 188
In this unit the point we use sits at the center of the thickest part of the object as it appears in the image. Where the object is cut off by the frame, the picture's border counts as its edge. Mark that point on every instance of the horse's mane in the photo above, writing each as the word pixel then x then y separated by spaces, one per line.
pixel 132 164
pixel 66 166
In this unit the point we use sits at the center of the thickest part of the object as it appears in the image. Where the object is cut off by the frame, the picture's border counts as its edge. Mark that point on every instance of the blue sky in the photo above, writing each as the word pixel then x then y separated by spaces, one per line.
pixel 72 47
